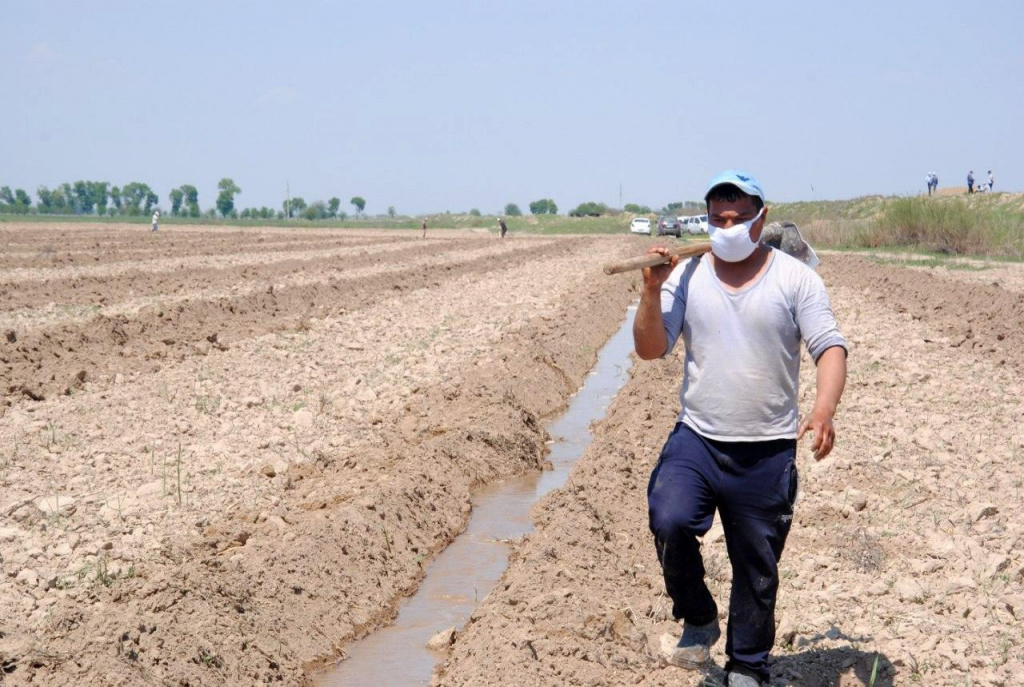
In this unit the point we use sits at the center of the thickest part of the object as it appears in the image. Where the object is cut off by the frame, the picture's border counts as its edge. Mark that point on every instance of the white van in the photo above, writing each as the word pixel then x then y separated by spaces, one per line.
pixel 694 224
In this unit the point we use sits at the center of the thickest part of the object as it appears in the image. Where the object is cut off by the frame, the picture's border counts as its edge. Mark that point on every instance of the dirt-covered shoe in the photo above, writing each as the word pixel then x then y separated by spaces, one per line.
pixel 734 679
pixel 694 647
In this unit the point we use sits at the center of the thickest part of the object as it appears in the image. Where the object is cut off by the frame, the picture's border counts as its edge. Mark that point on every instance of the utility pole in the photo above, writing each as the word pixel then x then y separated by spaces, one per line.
pixel 287 201
pixel 620 195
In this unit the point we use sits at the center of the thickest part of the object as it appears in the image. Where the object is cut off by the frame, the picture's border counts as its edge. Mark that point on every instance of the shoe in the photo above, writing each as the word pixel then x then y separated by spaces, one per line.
pixel 694 647
pixel 734 679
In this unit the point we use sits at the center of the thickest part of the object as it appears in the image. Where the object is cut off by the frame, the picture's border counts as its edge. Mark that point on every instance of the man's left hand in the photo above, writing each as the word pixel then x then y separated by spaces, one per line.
pixel 819 422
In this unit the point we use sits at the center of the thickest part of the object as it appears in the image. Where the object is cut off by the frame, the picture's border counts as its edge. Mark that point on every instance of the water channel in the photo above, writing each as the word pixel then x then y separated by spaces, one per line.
pixel 462 574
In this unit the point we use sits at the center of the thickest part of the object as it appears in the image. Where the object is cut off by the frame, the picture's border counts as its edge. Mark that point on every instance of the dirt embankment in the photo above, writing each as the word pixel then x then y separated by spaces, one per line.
pixel 239 515
pixel 907 540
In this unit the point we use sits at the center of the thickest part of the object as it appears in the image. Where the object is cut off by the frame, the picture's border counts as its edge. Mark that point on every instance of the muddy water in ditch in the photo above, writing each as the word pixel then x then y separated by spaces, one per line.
pixel 464 572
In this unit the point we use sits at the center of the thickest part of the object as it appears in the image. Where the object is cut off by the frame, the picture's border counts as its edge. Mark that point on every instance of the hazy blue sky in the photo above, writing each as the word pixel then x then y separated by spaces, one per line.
pixel 448 105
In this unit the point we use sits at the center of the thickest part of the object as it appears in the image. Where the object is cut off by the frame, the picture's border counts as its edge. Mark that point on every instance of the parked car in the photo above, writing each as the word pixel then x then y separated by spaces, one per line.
pixel 640 225
pixel 669 226
pixel 694 224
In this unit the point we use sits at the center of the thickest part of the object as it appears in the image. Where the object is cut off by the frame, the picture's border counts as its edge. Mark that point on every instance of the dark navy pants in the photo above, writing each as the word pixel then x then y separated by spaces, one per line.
pixel 753 485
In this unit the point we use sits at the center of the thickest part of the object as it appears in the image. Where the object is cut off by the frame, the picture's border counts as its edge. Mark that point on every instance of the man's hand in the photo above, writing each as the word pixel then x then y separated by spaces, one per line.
pixel 831 382
pixel 819 422
pixel 648 330
pixel 655 276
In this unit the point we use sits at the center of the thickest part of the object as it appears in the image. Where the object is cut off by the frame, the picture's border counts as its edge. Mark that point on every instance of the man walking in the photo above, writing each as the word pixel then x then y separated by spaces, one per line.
pixel 156 220
pixel 991 179
pixel 742 312
pixel 424 227
pixel 970 181
pixel 502 227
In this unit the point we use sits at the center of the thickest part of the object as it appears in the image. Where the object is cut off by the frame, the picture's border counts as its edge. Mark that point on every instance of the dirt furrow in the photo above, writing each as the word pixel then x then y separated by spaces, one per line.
pixel 270 588
pixel 58 359
pixel 906 546
pixel 261 267
pixel 51 256
pixel 13 278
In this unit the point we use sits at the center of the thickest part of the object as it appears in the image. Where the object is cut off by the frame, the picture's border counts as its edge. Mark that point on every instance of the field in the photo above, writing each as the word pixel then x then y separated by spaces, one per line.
pixel 227 453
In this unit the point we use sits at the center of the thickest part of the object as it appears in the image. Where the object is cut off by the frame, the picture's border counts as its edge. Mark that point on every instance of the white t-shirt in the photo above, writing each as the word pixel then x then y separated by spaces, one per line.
pixel 743 349
pixel 156 216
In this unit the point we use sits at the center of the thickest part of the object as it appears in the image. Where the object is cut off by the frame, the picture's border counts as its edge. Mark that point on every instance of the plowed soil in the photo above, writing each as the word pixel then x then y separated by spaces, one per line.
pixel 907 542
pixel 227 454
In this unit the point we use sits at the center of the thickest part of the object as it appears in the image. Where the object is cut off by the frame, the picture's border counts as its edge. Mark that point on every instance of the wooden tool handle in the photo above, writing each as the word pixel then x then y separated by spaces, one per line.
pixel 687 251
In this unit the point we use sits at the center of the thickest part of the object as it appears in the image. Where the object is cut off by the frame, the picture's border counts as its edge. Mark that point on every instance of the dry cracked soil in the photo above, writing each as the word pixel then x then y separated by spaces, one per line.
pixel 226 455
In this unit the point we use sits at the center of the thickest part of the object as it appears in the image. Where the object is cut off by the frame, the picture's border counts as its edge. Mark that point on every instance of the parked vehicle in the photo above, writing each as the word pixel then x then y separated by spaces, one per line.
pixel 694 224
pixel 669 226
pixel 640 225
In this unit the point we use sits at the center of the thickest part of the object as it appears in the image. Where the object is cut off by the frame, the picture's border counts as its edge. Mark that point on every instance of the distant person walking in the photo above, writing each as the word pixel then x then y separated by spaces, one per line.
pixel 928 182
pixel 156 220
pixel 970 181
pixel 991 179
pixel 933 182
pixel 502 227
pixel 424 227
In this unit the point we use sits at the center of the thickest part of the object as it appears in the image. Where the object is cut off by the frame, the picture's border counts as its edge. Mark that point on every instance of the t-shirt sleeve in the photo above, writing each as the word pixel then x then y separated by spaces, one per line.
pixel 814 316
pixel 673 306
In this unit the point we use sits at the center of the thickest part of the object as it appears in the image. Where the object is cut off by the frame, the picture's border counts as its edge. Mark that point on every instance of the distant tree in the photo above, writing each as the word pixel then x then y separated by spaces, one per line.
pixel 115 198
pixel 191 200
pixel 359 204
pixel 682 206
pixel 333 205
pixel 137 198
pixel 316 210
pixel 99 192
pixel 45 204
pixel 295 207
pixel 280 214
pixel 16 202
pixel 474 213
pixel 512 210
pixel 391 211
pixel 210 213
pixel 544 206
pixel 589 209
pixel 83 197
pixel 177 196
pixel 226 198
pixel 637 209
pixel 342 215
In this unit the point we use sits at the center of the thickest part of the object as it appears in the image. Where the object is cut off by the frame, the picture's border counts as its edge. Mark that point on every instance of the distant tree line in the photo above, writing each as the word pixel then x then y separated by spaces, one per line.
pixel 101 198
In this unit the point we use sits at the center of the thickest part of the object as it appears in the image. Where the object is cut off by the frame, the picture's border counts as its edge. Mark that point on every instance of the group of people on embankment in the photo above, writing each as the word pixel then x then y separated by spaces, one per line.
pixel 931 180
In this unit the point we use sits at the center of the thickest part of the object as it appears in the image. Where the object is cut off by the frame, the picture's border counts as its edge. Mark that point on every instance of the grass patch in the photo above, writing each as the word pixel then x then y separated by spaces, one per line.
pixel 989 225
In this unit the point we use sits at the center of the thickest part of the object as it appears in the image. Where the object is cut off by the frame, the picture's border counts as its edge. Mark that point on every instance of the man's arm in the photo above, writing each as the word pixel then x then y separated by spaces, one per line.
pixel 648 330
pixel 830 384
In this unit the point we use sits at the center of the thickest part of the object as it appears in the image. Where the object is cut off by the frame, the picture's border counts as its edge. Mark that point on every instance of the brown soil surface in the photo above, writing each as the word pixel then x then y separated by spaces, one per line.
pixel 907 543
pixel 214 482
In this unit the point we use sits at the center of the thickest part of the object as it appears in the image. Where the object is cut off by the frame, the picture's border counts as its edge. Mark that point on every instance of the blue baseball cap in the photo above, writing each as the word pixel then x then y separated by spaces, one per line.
pixel 744 181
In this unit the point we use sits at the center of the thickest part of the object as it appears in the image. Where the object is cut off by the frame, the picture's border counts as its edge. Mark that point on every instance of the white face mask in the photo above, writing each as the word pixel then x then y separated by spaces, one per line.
pixel 733 244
